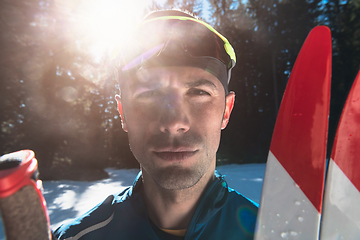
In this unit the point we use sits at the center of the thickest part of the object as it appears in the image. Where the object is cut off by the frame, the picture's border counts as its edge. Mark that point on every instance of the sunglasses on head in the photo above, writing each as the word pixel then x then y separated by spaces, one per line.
pixel 196 38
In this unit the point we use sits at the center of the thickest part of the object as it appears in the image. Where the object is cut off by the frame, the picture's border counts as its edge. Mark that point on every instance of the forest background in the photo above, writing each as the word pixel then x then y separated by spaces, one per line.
pixel 57 88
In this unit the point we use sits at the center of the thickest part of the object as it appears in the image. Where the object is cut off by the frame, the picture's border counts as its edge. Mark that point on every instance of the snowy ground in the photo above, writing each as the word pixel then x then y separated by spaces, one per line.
pixel 69 199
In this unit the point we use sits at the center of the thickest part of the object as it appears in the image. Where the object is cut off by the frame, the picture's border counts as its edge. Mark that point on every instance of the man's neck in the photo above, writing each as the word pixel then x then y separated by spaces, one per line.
pixel 173 209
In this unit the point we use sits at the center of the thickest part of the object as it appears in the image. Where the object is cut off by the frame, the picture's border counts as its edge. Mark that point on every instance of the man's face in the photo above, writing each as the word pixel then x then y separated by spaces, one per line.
pixel 174 117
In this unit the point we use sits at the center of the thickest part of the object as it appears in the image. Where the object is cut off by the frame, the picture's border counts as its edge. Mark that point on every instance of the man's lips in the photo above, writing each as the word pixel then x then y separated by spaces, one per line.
pixel 175 155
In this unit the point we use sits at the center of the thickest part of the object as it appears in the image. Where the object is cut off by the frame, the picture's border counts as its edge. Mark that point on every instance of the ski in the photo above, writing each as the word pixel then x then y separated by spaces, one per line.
pixel 291 200
pixel 341 214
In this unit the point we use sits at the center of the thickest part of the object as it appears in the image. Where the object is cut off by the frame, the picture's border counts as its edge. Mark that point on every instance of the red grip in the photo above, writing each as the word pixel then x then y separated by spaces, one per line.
pixel 13 179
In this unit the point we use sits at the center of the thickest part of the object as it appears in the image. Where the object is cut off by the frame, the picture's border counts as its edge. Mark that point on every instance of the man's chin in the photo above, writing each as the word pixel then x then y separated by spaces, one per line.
pixel 176 178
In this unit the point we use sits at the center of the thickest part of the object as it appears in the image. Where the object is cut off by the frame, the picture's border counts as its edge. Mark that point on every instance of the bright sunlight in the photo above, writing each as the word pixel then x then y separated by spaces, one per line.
pixel 105 24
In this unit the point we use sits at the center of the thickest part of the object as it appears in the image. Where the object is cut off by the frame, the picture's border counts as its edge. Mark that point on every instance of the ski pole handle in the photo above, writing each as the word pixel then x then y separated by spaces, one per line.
pixel 22 205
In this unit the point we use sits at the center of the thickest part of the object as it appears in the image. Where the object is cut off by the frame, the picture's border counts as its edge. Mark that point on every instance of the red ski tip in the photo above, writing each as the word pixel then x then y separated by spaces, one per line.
pixel 346 148
pixel 300 134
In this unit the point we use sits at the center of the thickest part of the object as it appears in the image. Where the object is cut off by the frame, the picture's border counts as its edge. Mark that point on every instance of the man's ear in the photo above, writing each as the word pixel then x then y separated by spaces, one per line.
pixel 229 105
pixel 120 109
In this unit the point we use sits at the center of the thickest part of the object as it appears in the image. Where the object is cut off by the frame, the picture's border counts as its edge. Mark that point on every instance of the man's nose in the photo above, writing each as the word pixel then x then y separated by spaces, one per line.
pixel 174 117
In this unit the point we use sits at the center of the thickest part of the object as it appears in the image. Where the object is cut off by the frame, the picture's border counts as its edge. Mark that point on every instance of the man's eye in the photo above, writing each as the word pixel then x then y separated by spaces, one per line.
pixel 199 92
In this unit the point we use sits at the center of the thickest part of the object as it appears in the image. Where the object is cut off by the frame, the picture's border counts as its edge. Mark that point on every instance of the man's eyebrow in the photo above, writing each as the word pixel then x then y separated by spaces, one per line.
pixel 201 82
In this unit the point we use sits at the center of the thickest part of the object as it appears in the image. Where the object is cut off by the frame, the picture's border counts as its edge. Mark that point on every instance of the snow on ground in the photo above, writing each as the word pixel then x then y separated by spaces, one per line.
pixel 69 199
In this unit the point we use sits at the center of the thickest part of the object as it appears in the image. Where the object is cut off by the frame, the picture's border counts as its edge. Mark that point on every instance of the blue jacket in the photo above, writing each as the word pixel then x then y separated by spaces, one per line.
pixel 222 213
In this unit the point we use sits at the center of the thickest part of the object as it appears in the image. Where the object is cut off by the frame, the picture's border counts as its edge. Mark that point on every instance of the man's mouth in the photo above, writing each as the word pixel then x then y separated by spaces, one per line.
pixel 175 155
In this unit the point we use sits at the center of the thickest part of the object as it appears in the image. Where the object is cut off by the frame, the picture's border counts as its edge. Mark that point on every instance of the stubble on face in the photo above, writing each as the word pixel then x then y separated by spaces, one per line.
pixel 176 176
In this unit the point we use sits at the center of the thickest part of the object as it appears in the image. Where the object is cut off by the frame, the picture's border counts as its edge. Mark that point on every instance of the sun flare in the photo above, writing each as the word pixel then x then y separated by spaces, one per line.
pixel 106 23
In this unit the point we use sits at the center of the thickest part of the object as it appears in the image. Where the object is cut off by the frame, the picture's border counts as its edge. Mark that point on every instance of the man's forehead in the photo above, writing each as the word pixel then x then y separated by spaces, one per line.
pixel 186 75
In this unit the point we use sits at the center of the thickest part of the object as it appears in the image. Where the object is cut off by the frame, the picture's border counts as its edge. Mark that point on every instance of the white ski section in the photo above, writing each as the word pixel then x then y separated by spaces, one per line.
pixel 341 211
pixel 285 212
